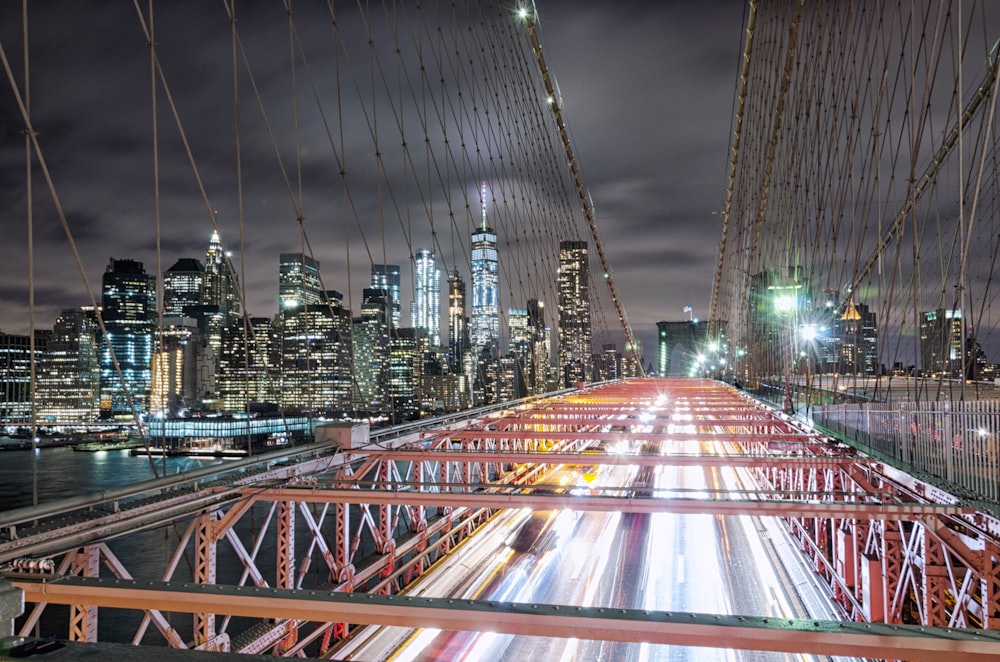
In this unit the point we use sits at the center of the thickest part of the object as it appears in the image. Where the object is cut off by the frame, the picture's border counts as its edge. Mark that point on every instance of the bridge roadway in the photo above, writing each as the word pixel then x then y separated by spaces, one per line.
pixel 663 456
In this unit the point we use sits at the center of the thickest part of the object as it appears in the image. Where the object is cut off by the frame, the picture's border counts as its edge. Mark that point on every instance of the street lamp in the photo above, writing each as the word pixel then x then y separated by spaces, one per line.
pixel 785 305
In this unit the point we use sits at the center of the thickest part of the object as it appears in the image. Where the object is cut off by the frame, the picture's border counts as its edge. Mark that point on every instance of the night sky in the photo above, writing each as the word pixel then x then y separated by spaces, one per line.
pixel 647 91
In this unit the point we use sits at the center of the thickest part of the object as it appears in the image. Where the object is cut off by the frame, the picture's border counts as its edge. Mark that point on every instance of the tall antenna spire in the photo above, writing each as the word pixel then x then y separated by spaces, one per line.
pixel 482 196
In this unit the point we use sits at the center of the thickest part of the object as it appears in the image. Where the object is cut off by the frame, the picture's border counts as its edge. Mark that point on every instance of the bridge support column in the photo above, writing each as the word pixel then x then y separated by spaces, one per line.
pixel 205 544
pixel 286 560
pixel 11 606
pixel 83 618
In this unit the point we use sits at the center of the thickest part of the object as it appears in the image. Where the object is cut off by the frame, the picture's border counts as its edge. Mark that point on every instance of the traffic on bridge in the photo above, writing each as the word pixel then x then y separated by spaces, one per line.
pixel 641 517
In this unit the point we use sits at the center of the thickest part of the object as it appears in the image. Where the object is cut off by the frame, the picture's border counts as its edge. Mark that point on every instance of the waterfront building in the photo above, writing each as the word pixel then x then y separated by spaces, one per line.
pixel 183 286
pixel 246 372
pixel 425 309
pixel 574 313
pixel 371 352
pixel 15 375
pixel 175 384
pixel 386 277
pixel 68 378
pixel 128 307
pixel 298 282
pixel 220 284
pixel 458 325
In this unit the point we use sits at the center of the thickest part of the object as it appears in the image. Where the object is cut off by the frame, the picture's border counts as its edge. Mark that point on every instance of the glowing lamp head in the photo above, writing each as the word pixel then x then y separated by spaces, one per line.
pixel 784 303
pixel 809 332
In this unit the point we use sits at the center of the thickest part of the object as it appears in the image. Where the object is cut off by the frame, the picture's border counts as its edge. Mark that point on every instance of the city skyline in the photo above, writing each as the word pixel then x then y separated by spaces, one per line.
pixel 634 198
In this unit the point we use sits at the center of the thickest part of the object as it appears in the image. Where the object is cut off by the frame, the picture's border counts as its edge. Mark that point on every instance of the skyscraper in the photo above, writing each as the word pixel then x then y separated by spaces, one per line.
pixel 485 317
pixel 941 342
pixel 128 307
pixel 183 286
pixel 69 378
pixel 220 283
pixel 540 350
pixel 425 309
pixel 458 324
pixel 298 282
pixel 386 277
pixel 574 312
pixel 371 352
pixel 246 372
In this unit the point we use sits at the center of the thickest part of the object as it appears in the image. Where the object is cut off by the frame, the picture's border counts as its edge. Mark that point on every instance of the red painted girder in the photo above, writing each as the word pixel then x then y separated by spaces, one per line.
pixel 637 436
pixel 891 511
pixel 608 624
pixel 697 420
pixel 781 461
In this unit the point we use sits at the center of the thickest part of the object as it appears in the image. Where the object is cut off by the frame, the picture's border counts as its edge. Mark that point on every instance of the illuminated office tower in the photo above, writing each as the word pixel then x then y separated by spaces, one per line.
pixel 540 349
pixel 15 374
pixel 405 368
pixel 941 342
pixel 68 379
pixel 517 372
pixel 220 286
pixel 315 361
pixel 425 309
pixel 183 286
pixel 371 352
pixel 458 324
pixel 246 372
pixel 174 384
pixel 386 277
pixel 128 307
pixel 574 313
pixel 298 282
pixel 485 314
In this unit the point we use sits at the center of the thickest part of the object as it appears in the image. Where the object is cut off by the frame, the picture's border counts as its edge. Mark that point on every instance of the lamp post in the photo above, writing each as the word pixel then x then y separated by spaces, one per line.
pixel 785 304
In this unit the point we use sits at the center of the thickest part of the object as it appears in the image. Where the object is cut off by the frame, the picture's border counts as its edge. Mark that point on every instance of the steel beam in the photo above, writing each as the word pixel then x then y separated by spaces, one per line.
pixel 624 625
pixel 789 508
pixel 642 460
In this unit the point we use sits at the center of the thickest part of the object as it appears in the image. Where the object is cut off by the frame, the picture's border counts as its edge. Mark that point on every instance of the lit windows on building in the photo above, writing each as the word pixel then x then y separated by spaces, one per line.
pixel 298 282
pixel 386 277
pixel 128 308
pixel 425 309
pixel 574 313
pixel 67 381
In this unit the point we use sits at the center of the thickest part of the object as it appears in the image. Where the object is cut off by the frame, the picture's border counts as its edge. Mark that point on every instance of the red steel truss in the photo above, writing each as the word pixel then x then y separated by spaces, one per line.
pixel 371 519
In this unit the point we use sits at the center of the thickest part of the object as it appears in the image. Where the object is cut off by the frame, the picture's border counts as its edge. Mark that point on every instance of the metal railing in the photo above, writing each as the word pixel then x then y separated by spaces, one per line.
pixel 956 442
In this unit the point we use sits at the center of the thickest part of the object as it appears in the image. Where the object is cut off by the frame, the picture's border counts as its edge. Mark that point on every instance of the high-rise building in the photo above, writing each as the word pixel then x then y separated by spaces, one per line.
pixel 315 358
pixel 405 346
pixel 68 379
pixel 856 340
pixel 175 367
pixel 183 286
pixel 458 324
pixel 941 342
pixel 541 359
pixel 128 307
pixel 298 282
pixel 574 313
pixel 386 277
pixel 485 314
pixel 425 309
pixel 246 372
pixel 221 287
pixel 371 352
pixel 15 374
pixel 518 375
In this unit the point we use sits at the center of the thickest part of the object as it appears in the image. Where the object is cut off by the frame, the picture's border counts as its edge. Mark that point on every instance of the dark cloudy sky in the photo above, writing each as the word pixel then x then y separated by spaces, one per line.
pixel 646 87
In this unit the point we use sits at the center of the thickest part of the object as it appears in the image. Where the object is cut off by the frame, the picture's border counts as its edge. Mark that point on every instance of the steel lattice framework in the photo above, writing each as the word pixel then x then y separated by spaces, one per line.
pixel 250 547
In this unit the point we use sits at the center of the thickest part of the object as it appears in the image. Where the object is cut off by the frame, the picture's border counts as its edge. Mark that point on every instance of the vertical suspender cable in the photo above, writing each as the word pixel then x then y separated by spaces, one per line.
pixel 588 210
